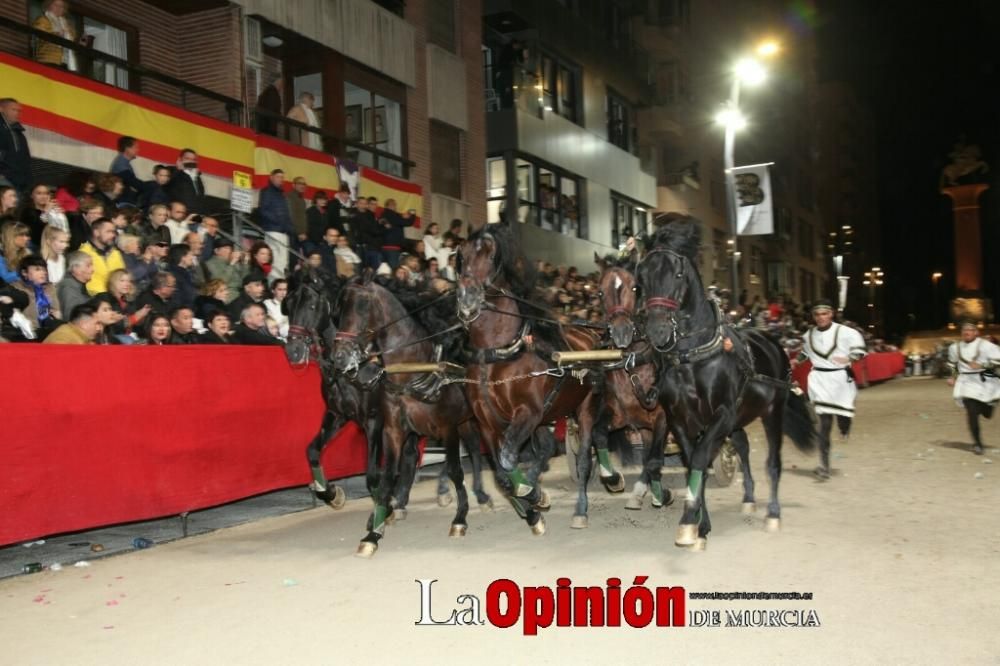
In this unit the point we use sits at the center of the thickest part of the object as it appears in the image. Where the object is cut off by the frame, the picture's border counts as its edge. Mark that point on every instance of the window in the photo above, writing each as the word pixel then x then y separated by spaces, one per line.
pixel 675 13
pixel 105 35
pixel 496 188
pixel 549 198
pixel 755 261
pixel 375 121
pixel 627 217
pixel 805 238
pixel 560 88
pixel 441 24
pixel 620 121
pixel 670 84
pixel 446 160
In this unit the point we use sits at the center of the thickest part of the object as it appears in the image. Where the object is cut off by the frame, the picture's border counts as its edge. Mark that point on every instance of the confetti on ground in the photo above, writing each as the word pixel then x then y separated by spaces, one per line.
pixel 289 582
pixel 113 602
pixel 55 567
pixel 81 564
pixel 109 626
pixel 977 475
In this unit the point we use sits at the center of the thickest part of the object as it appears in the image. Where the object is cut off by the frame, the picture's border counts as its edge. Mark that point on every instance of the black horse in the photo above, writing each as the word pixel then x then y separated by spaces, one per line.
pixel 311 331
pixel 376 325
pixel 712 379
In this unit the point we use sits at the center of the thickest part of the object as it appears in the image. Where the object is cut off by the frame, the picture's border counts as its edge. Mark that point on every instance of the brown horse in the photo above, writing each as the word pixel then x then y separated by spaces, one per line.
pixel 629 391
pixel 515 391
pixel 374 322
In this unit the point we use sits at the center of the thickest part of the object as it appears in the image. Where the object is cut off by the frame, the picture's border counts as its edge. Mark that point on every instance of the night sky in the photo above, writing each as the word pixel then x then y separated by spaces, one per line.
pixel 929 72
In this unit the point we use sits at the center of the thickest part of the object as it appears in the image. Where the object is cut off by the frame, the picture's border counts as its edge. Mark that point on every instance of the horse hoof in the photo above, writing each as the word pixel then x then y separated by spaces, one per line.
pixel 614 484
pixel 487 506
pixel 772 524
pixel 700 544
pixel 544 502
pixel 398 514
pixel 633 503
pixel 444 499
pixel 538 529
pixel 339 499
pixel 458 530
pixel 822 473
pixel 748 508
pixel 667 501
pixel 687 535
pixel 366 549
pixel 579 523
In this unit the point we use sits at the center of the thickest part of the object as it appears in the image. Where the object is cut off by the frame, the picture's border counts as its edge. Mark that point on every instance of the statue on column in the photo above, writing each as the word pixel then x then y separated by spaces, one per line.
pixel 967 166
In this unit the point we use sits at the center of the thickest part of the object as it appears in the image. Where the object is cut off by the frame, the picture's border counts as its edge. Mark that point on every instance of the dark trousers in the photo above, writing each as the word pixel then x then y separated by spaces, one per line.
pixel 391 258
pixel 973 410
pixel 373 258
pixel 825 428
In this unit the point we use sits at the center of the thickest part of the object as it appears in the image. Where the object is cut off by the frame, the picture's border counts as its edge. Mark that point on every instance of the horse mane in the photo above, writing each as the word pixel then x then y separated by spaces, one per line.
pixel 519 272
pixel 678 233
pixel 433 318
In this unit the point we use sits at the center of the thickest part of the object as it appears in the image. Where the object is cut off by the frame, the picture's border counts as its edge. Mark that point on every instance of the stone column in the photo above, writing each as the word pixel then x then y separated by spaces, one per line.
pixel 968 239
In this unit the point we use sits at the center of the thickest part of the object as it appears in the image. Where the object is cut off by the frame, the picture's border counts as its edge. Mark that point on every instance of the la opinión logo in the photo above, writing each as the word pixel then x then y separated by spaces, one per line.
pixel 507 603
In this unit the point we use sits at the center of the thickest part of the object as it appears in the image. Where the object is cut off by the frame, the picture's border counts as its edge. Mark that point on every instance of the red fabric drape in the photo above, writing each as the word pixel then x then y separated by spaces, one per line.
pixel 102 435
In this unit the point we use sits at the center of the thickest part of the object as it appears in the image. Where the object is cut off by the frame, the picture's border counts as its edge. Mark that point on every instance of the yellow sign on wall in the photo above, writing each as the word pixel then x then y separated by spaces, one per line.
pixel 242 180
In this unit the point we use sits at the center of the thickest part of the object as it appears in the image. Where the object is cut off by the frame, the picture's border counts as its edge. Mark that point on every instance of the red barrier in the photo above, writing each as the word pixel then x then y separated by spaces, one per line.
pixel 103 435
pixel 875 367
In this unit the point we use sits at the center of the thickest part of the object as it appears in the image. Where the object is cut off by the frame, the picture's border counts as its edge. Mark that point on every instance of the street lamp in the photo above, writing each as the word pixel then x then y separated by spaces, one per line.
pixel 873 280
pixel 750 72
pixel 935 278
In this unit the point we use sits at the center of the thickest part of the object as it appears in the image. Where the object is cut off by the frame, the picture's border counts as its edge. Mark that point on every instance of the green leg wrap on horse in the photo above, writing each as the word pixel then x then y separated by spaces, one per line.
pixel 319 479
pixel 521 486
pixel 657 489
pixel 604 461
pixel 378 521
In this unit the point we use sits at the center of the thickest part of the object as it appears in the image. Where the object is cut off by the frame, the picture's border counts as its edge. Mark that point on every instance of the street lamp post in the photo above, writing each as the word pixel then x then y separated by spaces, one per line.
pixel 873 280
pixel 752 73
pixel 935 278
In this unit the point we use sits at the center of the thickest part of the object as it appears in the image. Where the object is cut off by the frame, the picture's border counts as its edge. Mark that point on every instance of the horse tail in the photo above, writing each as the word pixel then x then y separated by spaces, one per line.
pixel 797 422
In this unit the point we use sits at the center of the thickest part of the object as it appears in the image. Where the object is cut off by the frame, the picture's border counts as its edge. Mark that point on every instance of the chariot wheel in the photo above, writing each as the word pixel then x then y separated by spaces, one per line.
pixel 725 466
pixel 572 448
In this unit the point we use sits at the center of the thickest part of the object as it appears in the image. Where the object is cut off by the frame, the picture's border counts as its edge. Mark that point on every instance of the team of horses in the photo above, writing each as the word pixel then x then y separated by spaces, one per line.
pixel 480 366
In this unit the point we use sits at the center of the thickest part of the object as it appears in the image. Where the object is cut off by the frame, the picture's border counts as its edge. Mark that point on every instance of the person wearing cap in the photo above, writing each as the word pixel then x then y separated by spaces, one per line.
pixel 253 293
pixel 973 361
pixel 225 265
pixel 831 347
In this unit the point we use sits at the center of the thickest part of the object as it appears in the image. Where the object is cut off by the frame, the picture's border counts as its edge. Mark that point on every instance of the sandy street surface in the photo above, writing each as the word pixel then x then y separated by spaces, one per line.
pixel 901 550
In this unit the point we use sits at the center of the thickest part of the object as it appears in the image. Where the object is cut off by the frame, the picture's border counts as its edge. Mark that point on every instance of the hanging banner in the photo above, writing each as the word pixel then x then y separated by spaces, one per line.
pixel 754 205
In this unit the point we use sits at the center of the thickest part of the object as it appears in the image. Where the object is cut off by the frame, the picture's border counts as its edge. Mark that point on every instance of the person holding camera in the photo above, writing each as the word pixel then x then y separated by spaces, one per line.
pixel 977 388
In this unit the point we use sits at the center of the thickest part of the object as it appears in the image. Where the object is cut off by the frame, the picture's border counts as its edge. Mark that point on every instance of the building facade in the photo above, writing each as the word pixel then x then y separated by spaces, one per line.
pixel 693 45
pixel 564 81
pixel 397 86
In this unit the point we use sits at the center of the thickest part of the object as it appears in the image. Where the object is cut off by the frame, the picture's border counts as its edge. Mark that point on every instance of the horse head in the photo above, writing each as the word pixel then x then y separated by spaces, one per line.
pixel 310 316
pixel 480 266
pixel 351 342
pixel 618 291
pixel 668 278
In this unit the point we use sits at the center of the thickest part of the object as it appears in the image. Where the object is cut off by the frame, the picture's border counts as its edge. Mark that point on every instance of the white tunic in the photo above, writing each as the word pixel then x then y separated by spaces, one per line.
pixel 831 389
pixel 970 382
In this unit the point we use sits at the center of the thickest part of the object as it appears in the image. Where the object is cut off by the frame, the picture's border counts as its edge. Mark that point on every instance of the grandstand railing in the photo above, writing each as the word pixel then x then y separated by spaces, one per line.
pixel 112 70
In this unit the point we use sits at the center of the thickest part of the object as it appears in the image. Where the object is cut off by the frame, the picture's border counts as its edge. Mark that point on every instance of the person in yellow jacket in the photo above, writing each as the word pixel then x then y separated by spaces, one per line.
pixel 55 22
pixel 107 258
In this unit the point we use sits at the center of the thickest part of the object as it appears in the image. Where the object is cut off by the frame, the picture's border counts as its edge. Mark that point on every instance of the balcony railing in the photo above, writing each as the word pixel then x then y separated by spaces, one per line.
pixel 22 40
pixel 282 127
pixel 115 71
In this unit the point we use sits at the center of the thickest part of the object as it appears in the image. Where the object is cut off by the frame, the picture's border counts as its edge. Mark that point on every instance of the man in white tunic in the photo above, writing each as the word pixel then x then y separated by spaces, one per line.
pixel 977 388
pixel 831 347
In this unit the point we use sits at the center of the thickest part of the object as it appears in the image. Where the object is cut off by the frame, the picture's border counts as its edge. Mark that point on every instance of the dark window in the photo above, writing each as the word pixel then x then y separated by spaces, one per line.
pixel 446 160
pixel 620 122
pixel 560 87
pixel 547 197
pixel 441 24
pixel 627 217
pixel 673 12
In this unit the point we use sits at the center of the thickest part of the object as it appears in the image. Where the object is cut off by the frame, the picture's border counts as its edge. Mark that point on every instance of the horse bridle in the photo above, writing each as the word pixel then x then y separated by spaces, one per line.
pixel 665 302
pixel 310 337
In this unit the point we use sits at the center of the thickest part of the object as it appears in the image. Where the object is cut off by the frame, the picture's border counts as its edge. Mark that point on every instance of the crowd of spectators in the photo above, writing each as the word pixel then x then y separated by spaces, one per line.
pixel 111 258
